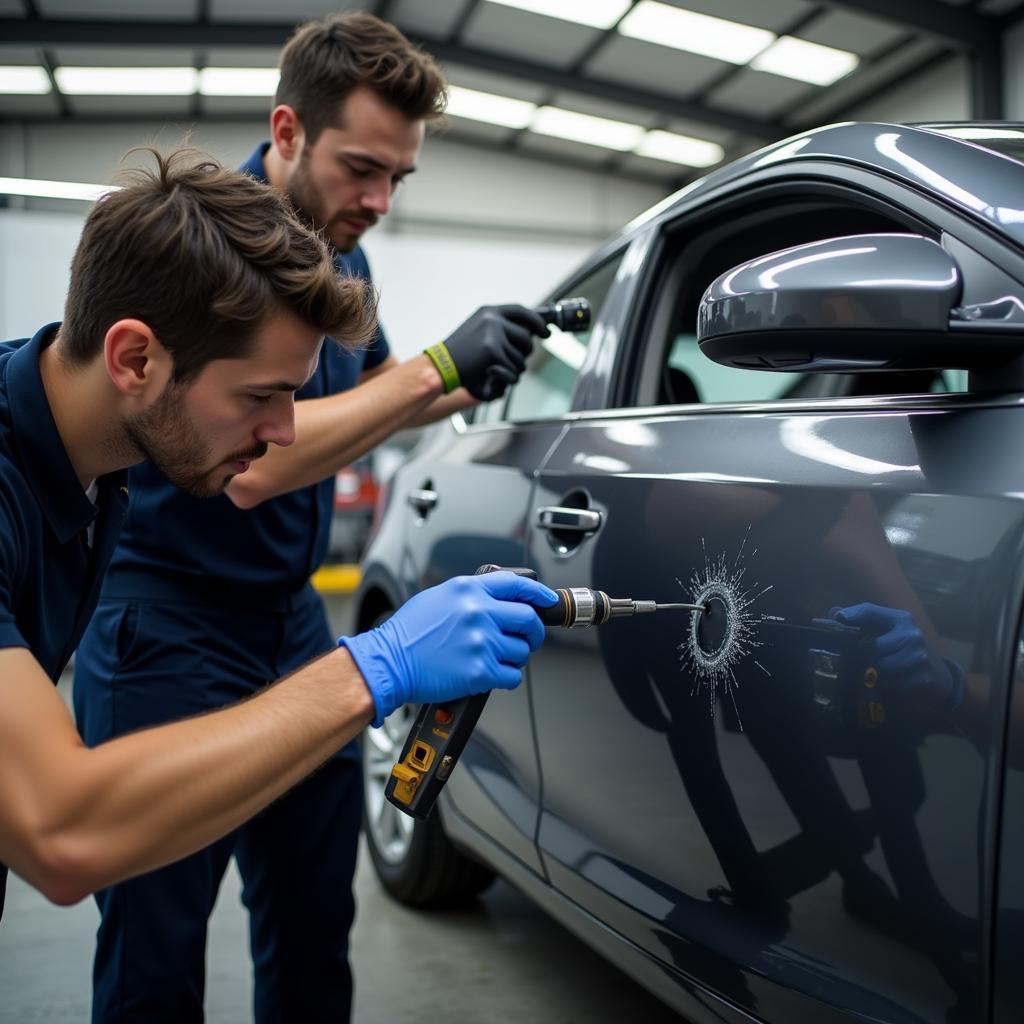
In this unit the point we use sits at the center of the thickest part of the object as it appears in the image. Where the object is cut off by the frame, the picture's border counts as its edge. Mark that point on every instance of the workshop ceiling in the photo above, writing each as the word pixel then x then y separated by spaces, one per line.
pixel 631 62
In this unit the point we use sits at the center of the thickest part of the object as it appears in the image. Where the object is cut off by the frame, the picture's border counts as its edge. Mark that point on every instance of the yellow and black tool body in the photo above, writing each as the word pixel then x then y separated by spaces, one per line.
pixel 441 731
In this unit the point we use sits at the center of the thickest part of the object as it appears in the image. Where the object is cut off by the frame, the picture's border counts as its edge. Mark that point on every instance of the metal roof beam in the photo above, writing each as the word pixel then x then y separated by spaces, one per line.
pixel 191 35
pixel 961 27
pixel 600 88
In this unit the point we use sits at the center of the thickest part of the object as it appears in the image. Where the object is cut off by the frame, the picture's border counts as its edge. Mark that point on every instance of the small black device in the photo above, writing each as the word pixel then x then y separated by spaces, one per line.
pixel 440 732
pixel 567 314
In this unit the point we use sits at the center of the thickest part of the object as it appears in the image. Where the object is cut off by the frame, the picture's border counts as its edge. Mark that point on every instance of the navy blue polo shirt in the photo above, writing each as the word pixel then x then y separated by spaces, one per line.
pixel 175 546
pixel 50 574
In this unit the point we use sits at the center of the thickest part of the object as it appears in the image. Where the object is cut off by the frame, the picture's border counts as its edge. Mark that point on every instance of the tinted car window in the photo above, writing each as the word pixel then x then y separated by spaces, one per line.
pixel 689 376
pixel 545 390
pixel 678 373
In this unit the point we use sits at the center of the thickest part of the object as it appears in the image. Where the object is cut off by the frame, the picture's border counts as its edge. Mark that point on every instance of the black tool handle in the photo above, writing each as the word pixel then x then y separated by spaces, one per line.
pixel 436 741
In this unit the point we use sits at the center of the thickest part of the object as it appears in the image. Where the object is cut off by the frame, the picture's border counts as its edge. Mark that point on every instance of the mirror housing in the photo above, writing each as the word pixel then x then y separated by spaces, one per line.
pixel 855 304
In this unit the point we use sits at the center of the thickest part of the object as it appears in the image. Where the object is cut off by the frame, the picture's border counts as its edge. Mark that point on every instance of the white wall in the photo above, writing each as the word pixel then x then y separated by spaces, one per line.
pixel 470 227
pixel 35 258
pixel 939 94
pixel 428 282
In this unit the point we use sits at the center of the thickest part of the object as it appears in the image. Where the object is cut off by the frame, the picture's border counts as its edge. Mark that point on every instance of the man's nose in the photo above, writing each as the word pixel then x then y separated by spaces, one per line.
pixel 279 428
pixel 378 197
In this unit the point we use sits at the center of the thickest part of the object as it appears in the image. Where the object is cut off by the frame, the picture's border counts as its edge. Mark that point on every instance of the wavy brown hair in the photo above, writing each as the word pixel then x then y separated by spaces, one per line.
pixel 328 58
pixel 203 256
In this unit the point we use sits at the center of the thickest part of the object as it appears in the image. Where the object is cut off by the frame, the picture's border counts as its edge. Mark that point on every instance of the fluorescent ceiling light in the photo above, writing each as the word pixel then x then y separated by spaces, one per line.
pixel 595 131
pixel 39 188
pixel 486 106
pixel 238 81
pixel 596 13
pixel 127 81
pixel 804 61
pixel 24 81
pixel 679 149
pixel 695 33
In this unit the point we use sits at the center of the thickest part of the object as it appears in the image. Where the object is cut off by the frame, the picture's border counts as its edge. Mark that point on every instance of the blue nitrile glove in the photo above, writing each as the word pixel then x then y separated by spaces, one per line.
pixel 488 352
pixel 468 635
pixel 903 658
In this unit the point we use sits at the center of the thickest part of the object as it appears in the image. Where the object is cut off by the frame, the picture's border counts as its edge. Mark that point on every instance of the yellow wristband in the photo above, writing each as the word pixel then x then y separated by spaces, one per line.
pixel 443 362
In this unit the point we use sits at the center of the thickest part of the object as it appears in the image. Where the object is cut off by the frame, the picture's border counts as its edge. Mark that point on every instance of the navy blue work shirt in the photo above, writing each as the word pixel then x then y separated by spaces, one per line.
pixel 178 547
pixel 50 573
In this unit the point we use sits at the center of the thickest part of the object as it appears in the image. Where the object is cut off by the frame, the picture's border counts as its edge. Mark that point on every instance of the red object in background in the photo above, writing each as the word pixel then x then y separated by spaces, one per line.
pixel 355 488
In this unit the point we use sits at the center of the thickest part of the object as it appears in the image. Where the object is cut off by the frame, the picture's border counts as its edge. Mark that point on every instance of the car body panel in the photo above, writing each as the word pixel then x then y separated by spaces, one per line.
pixel 484 483
pixel 824 846
pixel 754 841
pixel 1008 994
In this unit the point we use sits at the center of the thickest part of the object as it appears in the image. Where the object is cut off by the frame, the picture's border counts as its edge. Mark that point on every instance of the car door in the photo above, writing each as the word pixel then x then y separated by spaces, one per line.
pixel 765 798
pixel 468 494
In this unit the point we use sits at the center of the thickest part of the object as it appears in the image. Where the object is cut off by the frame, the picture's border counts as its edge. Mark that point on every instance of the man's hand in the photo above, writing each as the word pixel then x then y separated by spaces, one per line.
pixel 468 635
pixel 906 665
pixel 488 352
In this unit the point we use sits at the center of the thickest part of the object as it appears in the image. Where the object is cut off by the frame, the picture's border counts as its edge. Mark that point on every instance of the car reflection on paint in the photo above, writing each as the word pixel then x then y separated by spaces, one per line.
pixel 806 806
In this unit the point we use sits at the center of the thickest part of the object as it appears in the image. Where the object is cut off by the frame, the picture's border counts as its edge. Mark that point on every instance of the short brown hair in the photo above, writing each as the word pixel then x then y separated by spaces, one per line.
pixel 328 58
pixel 203 255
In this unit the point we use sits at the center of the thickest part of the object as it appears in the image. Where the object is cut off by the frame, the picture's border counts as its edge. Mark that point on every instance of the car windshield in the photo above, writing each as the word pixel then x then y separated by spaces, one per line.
pixel 1003 140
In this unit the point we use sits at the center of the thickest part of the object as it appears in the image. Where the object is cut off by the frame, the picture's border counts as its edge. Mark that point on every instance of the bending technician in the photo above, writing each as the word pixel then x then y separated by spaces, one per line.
pixel 197 307
pixel 206 601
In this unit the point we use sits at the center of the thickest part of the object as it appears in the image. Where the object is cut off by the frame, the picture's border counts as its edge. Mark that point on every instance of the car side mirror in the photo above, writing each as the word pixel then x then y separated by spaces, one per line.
pixel 854 304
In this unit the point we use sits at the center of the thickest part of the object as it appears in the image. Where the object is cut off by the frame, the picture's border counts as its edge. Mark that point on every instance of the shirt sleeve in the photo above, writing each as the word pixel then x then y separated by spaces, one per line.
pixel 378 350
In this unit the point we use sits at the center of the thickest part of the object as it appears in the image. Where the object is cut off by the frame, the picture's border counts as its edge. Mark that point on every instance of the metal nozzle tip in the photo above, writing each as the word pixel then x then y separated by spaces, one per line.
pixel 684 607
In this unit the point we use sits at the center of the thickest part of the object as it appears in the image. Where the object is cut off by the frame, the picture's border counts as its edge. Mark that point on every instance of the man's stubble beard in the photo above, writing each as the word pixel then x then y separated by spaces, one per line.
pixel 166 436
pixel 307 204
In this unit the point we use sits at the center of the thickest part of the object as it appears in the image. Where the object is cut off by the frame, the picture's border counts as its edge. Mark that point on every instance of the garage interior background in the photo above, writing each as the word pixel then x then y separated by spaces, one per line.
pixel 496 212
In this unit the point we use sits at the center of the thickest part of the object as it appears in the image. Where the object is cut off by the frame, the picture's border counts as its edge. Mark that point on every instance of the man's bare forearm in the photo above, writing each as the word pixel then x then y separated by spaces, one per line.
pixel 148 798
pixel 441 408
pixel 332 432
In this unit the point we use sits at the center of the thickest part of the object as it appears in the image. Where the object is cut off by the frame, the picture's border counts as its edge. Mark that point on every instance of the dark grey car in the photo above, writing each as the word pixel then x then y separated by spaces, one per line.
pixel 807 804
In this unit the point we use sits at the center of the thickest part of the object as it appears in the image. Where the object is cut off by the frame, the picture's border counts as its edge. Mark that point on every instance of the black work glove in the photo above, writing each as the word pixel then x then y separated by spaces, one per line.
pixel 488 352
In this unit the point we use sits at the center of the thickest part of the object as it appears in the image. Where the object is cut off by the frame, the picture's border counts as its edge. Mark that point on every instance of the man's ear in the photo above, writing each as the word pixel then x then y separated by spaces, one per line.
pixel 286 132
pixel 136 362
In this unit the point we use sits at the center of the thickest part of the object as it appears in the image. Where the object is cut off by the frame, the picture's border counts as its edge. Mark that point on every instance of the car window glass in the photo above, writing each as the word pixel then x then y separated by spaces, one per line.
pixel 674 369
pixel 545 389
pixel 691 377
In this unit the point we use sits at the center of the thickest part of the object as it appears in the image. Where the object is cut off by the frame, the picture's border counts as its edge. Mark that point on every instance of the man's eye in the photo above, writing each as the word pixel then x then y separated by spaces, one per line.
pixel 261 399
pixel 359 172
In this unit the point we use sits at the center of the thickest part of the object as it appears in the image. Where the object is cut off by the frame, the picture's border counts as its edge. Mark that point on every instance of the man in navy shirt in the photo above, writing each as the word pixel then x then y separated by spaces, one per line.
pixel 206 601
pixel 197 308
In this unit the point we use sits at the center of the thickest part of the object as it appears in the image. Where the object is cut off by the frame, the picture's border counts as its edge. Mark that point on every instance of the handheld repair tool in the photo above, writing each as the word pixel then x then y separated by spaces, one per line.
pixel 566 314
pixel 440 731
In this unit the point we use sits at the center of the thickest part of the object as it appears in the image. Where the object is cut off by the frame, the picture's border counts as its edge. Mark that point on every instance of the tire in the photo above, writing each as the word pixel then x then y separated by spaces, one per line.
pixel 414 860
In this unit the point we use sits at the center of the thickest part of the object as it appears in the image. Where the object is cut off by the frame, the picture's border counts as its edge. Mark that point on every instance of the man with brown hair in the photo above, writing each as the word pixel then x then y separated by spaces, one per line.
pixel 198 307
pixel 206 601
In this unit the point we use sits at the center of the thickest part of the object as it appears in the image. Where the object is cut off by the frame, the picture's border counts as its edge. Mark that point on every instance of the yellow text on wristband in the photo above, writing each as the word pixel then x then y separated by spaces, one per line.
pixel 442 360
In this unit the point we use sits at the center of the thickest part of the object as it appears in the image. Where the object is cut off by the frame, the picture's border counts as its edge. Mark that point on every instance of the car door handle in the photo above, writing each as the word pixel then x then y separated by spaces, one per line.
pixel 579 520
pixel 422 499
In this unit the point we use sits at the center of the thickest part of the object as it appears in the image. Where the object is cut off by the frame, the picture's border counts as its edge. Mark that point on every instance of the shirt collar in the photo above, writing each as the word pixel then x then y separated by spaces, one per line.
pixel 254 166
pixel 44 459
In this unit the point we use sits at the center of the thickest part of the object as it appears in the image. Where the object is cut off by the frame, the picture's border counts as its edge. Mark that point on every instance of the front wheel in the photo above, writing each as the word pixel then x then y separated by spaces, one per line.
pixel 414 860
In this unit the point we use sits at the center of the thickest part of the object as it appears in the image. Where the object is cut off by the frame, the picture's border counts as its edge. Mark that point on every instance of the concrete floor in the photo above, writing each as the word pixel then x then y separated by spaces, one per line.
pixel 502 959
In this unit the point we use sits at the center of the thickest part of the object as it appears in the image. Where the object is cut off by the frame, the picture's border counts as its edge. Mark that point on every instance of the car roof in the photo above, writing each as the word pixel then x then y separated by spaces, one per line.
pixel 984 183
